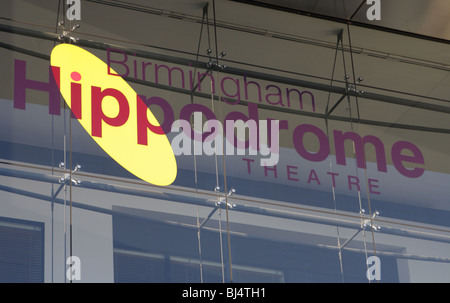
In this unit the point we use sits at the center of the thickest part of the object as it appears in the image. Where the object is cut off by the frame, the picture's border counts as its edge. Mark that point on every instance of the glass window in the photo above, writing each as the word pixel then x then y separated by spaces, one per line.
pixel 21 251
pixel 344 177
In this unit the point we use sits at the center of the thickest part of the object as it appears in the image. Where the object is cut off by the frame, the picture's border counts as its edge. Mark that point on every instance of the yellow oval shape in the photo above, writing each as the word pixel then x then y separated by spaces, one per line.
pixel 107 108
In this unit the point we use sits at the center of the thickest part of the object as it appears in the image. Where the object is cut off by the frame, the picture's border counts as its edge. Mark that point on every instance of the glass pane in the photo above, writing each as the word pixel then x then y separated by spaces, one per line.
pixel 344 178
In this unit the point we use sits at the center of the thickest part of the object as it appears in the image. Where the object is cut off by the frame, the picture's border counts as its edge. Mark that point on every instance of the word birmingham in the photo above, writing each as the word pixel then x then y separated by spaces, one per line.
pixel 208 138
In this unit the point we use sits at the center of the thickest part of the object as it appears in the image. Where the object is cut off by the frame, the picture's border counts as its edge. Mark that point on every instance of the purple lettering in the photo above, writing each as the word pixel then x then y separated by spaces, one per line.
pixel 248 164
pixel 21 84
pixel 300 97
pixel 289 172
pixel 352 180
pixel 373 186
pixel 279 99
pixel 122 63
pixel 359 144
pixel 324 147
pixel 169 73
pixel 333 175
pixel 313 176
pixel 246 83
pixel 237 93
pixel 268 168
pixel 416 158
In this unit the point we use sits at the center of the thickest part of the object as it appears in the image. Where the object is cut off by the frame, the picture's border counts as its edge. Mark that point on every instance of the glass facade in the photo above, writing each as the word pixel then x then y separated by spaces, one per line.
pixel 355 183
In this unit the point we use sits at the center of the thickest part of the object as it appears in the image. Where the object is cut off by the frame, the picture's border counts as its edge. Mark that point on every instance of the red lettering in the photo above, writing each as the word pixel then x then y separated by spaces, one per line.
pixel 142 122
pixel 75 96
pixel 97 113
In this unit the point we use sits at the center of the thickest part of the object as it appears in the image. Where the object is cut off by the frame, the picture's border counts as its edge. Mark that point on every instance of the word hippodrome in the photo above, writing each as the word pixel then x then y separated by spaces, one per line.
pixel 110 110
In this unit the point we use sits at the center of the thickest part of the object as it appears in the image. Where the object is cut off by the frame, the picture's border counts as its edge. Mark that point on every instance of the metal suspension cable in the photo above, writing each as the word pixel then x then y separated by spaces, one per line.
pixel 195 160
pixel 347 95
pixel 354 151
pixel 339 40
pixel 53 154
pixel 359 117
pixel 193 88
pixel 223 145
pixel 65 168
